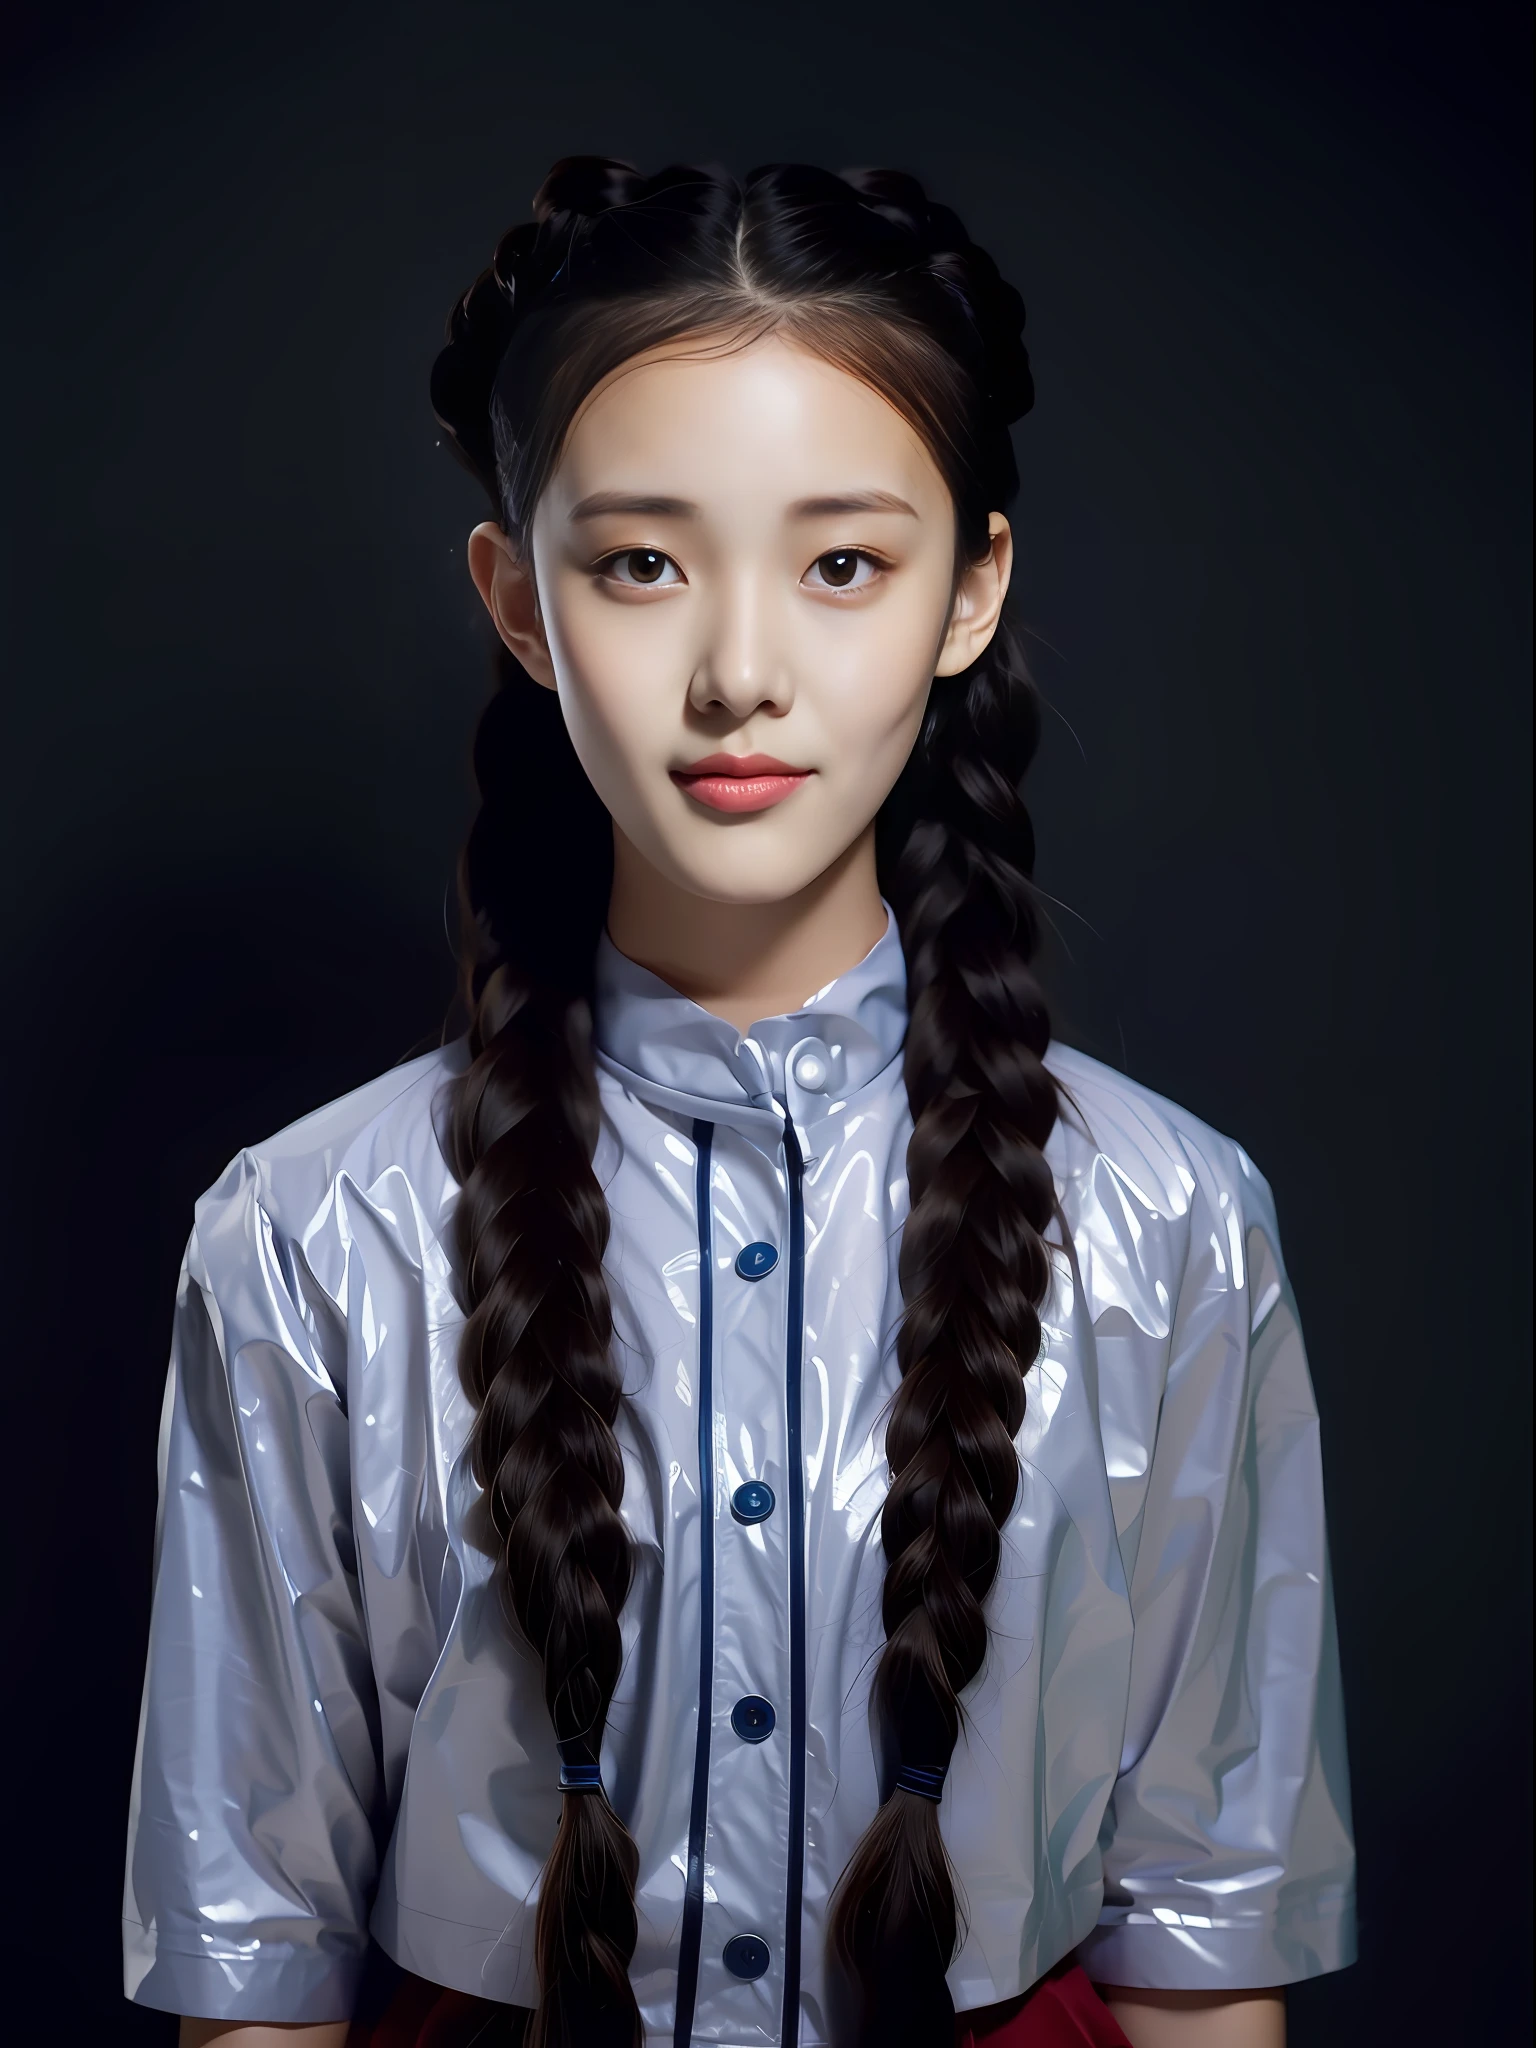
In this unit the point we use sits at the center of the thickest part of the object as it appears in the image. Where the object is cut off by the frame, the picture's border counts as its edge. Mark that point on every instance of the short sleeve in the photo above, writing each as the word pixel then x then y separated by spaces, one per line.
pixel 1228 1858
pixel 252 1849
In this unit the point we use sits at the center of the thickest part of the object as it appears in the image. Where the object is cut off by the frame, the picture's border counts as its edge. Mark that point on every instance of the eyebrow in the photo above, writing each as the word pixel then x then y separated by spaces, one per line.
pixel 648 506
pixel 851 501
pixel 643 506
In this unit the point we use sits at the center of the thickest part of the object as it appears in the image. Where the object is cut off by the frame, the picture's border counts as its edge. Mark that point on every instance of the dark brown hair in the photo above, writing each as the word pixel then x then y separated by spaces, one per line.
pixel 867 272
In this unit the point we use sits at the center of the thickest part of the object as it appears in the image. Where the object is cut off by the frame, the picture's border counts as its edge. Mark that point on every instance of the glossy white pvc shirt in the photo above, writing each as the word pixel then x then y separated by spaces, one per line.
pixel 338 1732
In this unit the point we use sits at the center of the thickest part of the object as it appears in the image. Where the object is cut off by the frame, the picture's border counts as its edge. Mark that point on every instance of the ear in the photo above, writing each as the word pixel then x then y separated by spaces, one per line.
pixel 505 583
pixel 978 601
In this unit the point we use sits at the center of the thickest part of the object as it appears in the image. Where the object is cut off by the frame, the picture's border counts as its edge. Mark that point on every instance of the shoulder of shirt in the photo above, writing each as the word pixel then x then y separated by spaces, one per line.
pixel 1163 1149
pixel 386 1125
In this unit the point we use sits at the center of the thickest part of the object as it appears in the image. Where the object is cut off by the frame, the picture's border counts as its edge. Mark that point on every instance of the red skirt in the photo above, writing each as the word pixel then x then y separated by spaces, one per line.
pixel 1062 2011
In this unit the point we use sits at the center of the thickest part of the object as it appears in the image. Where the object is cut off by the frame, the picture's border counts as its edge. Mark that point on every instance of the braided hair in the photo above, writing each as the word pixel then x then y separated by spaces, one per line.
pixel 870 274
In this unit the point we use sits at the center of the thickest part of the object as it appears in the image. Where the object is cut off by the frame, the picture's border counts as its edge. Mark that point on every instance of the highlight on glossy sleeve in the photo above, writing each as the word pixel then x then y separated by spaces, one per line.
pixel 1228 1855
pixel 251 1848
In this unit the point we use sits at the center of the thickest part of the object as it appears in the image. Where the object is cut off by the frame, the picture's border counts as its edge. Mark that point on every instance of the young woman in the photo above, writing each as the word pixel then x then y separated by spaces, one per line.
pixel 748 1498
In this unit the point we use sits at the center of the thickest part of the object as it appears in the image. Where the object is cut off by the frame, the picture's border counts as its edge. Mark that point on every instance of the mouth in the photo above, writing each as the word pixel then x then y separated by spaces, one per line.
pixel 740 782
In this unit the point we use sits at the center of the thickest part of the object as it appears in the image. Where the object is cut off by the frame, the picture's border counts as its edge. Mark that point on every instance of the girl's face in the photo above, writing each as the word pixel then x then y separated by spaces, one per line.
pixel 742 586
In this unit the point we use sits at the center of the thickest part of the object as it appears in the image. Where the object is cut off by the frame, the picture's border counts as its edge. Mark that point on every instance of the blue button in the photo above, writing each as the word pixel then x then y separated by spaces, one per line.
pixel 756 1261
pixel 746 1955
pixel 753 1718
pixel 752 1502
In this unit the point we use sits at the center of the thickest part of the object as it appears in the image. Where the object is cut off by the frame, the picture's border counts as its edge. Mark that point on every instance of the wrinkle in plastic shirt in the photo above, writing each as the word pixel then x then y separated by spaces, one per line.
pixel 339 1733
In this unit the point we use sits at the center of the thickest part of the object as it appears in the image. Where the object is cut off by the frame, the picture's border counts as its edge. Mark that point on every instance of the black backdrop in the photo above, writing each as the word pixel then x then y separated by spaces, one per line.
pixel 1274 536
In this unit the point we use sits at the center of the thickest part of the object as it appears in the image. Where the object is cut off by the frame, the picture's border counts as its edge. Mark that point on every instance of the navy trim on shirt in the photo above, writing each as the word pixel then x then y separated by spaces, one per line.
pixel 794 1359
pixel 693 1897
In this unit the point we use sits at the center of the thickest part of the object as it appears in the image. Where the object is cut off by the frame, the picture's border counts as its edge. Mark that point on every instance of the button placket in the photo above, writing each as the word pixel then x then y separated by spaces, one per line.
pixel 753 1717
pixel 749 1788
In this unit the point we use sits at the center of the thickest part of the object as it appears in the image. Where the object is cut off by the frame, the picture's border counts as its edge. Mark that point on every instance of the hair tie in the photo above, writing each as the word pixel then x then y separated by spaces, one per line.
pixel 925 1780
pixel 579 1769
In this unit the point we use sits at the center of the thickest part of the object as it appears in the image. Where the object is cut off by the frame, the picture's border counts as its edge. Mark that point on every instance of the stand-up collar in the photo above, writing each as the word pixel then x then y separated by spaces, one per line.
pixel 675 1052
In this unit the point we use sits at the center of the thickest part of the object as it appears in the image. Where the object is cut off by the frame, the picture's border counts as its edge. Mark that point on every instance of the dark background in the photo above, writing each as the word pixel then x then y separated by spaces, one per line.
pixel 1275 532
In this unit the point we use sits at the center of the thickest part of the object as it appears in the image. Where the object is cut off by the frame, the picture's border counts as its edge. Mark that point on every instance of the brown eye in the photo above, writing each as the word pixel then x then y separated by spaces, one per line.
pixel 641 568
pixel 838 569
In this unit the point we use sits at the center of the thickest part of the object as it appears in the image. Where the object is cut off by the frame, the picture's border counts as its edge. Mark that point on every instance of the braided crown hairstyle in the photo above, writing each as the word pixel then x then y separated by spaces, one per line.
pixel 868 273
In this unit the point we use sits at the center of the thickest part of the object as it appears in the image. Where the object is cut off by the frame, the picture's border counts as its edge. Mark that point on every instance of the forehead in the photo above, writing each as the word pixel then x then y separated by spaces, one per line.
pixel 712 420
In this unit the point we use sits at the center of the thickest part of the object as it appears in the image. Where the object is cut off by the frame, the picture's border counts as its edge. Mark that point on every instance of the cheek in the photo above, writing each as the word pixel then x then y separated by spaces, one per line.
pixel 874 675
pixel 616 666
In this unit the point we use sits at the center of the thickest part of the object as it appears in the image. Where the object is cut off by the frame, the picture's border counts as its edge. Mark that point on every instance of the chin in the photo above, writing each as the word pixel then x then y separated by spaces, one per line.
pixel 749 859
pixel 745 867
pixel 750 891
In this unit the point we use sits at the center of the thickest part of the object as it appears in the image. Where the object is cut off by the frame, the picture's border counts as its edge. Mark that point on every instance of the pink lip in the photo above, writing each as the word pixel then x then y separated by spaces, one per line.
pixel 740 782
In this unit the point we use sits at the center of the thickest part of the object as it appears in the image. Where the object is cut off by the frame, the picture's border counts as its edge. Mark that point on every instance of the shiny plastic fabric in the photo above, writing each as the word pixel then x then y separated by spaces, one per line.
pixel 338 1731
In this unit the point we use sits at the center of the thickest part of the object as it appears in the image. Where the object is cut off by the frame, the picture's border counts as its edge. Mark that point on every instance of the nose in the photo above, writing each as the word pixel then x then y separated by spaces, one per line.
pixel 741 666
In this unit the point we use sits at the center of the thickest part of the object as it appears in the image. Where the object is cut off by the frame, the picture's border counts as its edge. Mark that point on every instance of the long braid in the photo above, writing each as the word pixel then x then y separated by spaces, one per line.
pixel 974 1271
pixel 536 1356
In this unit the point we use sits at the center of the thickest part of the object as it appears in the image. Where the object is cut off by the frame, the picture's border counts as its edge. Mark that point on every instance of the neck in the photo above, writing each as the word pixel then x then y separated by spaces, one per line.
pixel 747 960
